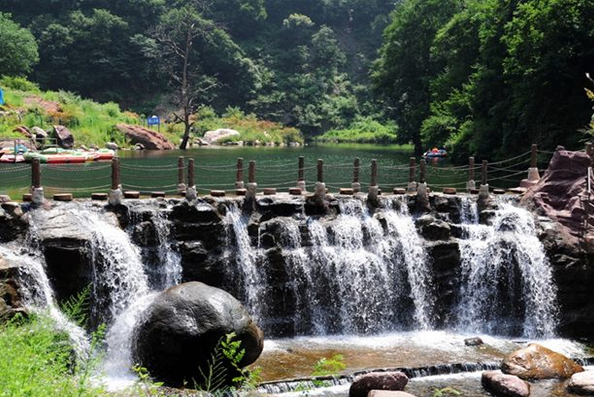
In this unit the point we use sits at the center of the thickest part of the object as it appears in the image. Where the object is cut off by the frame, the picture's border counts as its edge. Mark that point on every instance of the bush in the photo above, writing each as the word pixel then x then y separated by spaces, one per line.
pixel 18 84
pixel 363 130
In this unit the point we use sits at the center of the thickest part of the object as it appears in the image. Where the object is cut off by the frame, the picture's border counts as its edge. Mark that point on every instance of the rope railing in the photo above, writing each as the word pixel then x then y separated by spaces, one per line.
pixel 293 175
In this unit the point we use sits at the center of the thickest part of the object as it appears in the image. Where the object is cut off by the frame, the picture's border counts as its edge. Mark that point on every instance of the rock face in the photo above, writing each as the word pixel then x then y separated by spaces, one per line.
pixel 212 137
pixel 362 385
pixel 582 383
pixel 538 362
pixel 181 328
pixel 505 385
pixel 63 137
pixel 558 195
pixel 10 301
pixel 384 393
pixel 150 139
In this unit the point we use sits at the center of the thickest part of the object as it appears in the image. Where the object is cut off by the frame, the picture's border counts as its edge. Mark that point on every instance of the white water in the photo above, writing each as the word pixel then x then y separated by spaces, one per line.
pixel 506 277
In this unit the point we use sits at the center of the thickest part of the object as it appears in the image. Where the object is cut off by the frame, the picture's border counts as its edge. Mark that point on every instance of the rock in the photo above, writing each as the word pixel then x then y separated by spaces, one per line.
pixel 139 146
pixel 112 146
pixel 40 133
pixel 582 383
pixel 183 325
pixel 385 393
pixel 476 341
pixel 558 194
pixel 538 362
pixel 363 384
pixel 64 137
pixel 504 385
pixel 24 131
pixel 150 139
pixel 433 229
pixel 215 136
pixel 201 142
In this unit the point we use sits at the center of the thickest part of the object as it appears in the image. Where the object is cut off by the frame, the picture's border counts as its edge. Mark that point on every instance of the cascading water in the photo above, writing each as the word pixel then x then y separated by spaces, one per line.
pixel 506 280
pixel 356 274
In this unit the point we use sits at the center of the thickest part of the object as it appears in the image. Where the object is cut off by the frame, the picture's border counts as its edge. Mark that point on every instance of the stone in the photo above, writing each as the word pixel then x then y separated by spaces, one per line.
pixel 4 198
pixel 582 383
pixel 295 191
pixel 149 139
pixel 158 194
pixel 363 384
pixel 269 191
pixel 212 137
pixel 183 325
pixel 558 194
pixel 346 191
pixel 476 341
pixel 99 196
pixel 450 190
pixel 240 192
pixel 217 193
pixel 433 229
pixel 63 197
pixel 24 131
pixel 27 197
pixel 112 146
pixel 139 146
pixel 399 190
pixel 64 137
pixel 538 362
pixel 499 191
pixel 130 194
pixel 504 385
pixel 386 393
pixel 40 133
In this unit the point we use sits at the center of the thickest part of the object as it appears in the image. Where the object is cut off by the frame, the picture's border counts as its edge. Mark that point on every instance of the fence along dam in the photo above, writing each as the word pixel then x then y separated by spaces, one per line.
pixel 346 267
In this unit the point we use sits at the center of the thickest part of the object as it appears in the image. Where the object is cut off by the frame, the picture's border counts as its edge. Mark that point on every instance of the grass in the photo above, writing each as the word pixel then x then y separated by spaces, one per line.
pixel 37 361
pixel 90 122
pixel 363 130
pixel 251 130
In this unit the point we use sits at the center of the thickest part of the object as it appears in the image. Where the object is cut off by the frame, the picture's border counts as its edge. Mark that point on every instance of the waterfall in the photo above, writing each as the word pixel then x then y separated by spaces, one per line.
pixel 36 292
pixel 358 273
pixel 507 285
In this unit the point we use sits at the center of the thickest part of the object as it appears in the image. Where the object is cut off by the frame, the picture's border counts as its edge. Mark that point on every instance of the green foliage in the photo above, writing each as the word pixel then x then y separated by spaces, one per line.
pixel 37 361
pixel 446 392
pixel 18 48
pixel 90 122
pixel 329 366
pixel 76 308
pixel 363 130
pixel 224 361
pixel 250 128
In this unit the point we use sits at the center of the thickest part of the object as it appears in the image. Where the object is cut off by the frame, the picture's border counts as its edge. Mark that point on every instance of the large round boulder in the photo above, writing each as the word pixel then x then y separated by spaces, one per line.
pixel 504 385
pixel 391 381
pixel 538 362
pixel 181 329
pixel 582 383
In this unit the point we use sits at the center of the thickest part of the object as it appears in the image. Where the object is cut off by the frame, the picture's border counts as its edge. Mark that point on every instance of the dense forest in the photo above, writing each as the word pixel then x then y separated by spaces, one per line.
pixel 483 77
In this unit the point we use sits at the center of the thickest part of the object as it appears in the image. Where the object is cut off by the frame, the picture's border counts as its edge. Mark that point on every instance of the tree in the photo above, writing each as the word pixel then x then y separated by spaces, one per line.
pixel 405 68
pixel 18 48
pixel 177 32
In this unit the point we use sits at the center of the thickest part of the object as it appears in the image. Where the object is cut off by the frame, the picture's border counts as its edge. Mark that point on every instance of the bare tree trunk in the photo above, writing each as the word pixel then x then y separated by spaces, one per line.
pixel 185 100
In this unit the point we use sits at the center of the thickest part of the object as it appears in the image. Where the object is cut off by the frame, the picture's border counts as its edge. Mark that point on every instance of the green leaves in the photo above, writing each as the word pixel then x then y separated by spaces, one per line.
pixel 18 48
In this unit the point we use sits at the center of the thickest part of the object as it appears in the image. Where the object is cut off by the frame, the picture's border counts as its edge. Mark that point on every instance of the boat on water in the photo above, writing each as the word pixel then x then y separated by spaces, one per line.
pixel 62 156
pixel 435 153
pixel 10 158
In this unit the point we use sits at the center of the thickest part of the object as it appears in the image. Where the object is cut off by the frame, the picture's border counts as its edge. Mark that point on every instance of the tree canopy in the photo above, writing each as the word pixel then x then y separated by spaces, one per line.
pixel 18 48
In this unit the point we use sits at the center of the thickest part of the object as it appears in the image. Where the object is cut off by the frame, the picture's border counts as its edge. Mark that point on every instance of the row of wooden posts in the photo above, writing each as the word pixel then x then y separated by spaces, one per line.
pixel 188 186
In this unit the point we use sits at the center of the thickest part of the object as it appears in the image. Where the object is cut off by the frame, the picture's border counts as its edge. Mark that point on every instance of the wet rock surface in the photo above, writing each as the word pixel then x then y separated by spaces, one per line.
pixel 183 326
pixel 537 362
pixel 504 385
pixel 149 139
pixel 386 381
pixel 582 383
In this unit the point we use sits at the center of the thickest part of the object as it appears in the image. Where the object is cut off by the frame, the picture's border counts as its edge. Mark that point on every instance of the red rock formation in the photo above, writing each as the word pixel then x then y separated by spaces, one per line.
pixel 559 194
pixel 150 139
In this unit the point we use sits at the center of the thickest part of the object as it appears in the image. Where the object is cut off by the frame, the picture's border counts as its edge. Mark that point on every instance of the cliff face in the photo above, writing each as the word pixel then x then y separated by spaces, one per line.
pixel 279 237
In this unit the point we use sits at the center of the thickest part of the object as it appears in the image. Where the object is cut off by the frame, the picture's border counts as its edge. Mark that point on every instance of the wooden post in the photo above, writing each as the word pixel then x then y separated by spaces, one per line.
pixel 356 169
pixel 412 170
pixel 180 170
pixel 484 172
pixel 320 170
pixel 301 170
pixel 116 179
pixel 534 156
pixel 191 181
pixel 239 173
pixel 36 174
pixel 374 172
pixel 252 172
pixel 470 169
pixel 423 173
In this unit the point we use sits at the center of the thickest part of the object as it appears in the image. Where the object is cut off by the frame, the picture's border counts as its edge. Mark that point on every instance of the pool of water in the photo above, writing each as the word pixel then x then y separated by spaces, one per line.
pixel 148 171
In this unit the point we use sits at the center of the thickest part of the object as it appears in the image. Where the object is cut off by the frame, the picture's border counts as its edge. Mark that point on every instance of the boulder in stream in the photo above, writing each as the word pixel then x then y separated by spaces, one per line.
pixel 363 384
pixel 538 362
pixel 504 385
pixel 582 383
pixel 181 329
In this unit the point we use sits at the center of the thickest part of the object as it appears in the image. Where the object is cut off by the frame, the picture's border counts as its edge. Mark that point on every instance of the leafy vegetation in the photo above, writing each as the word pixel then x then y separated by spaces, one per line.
pixel 18 48
pixel 364 130
pixel 252 130
pixel 488 77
